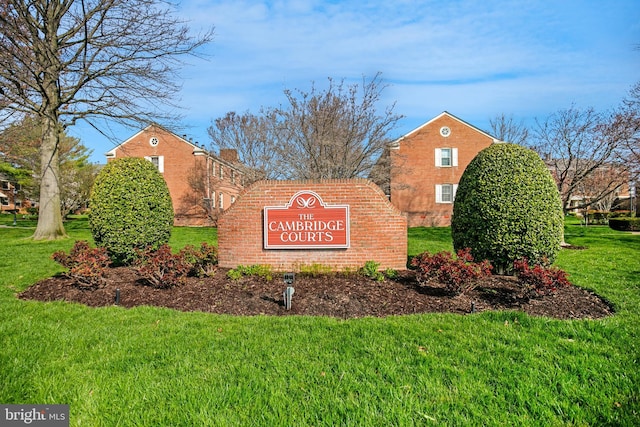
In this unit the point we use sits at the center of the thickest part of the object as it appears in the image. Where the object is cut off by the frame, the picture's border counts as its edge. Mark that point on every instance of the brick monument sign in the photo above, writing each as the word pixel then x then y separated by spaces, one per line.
pixel 336 223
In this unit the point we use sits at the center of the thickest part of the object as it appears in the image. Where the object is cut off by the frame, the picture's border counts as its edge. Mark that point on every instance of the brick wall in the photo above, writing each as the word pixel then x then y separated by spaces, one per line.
pixel 378 231
pixel 414 174
pixel 180 166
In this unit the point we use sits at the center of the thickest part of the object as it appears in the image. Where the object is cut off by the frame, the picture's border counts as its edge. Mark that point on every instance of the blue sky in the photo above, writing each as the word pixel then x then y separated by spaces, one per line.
pixel 475 59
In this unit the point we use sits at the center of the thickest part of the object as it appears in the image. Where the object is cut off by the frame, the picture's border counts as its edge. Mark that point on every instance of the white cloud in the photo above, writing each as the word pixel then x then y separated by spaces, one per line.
pixel 474 59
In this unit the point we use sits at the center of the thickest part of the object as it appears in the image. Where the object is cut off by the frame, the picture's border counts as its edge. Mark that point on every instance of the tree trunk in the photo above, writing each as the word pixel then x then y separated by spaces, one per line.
pixel 50 225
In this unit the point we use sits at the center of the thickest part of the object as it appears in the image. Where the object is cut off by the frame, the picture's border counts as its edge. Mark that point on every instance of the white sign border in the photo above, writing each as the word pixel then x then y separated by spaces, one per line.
pixel 287 206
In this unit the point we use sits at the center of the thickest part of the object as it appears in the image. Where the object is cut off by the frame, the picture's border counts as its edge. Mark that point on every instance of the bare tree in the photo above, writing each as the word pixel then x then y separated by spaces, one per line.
pixel 70 60
pixel 199 201
pixel 334 133
pixel 507 129
pixel 578 145
pixel 252 138
pixel 629 117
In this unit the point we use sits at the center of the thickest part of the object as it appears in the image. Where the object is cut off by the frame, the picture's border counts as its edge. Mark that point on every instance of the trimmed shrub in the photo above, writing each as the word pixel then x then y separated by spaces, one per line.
pixel 625 224
pixel 507 207
pixel 130 209
pixel 457 274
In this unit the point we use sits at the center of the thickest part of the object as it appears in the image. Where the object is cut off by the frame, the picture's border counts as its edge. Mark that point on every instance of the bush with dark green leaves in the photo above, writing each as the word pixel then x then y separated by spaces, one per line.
pixel 625 224
pixel 131 209
pixel 507 207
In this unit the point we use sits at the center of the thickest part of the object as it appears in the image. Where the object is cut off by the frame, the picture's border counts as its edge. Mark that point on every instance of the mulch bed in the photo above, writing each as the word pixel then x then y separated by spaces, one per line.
pixel 335 295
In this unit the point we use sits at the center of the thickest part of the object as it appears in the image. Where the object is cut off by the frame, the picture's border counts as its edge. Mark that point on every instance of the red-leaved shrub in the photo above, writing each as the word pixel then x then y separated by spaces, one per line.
pixel 87 266
pixel 539 280
pixel 204 260
pixel 457 274
pixel 161 268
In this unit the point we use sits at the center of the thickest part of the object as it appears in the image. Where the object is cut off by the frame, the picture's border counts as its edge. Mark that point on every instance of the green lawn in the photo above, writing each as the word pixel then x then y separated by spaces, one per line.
pixel 157 367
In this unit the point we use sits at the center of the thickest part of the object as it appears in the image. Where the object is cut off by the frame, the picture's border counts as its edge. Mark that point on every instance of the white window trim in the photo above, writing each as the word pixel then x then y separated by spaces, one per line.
pixel 454 157
pixel 160 162
pixel 439 193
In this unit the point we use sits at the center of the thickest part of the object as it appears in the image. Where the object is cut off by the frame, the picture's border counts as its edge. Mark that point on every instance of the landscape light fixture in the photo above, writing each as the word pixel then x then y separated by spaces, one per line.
pixel 287 295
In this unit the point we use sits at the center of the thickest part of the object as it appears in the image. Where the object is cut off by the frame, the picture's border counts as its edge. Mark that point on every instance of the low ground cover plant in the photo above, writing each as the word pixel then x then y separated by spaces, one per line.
pixel 251 270
pixel 370 270
pixel 315 269
pixel 87 265
pixel 458 274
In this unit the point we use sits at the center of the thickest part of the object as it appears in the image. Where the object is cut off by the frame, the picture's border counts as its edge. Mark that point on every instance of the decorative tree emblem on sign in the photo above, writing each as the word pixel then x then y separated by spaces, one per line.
pixel 306 222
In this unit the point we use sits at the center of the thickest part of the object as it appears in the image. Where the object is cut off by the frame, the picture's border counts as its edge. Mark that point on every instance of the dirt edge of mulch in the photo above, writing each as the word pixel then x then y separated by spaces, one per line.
pixel 335 295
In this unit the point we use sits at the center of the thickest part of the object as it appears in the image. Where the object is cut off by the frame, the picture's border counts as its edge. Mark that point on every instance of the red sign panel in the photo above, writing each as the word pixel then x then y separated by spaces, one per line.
pixel 306 222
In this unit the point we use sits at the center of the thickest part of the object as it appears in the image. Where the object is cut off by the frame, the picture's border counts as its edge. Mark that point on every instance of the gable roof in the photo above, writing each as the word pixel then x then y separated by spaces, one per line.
pixel 111 153
pixel 444 113
pixel 197 150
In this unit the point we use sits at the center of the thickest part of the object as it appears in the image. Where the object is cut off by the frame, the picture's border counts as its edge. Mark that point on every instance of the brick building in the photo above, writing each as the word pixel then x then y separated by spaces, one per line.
pixel 9 200
pixel 426 165
pixel 201 184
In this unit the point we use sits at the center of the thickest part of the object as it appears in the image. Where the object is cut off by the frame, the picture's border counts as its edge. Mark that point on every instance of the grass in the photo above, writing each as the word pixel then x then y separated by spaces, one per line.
pixel 153 366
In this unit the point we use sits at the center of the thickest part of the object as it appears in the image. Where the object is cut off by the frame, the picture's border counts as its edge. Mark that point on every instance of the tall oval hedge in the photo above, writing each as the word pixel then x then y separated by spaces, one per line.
pixel 130 208
pixel 507 207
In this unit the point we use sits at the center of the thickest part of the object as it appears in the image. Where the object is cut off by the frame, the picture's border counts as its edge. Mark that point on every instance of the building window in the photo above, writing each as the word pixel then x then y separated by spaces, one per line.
pixel 221 201
pixel 4 201
pixel 232 176
pixel 5 185
pixel 158 162
pixel 446 157
pixel 220 172
pixel 233 199
pixel 153 141
pixel 446 193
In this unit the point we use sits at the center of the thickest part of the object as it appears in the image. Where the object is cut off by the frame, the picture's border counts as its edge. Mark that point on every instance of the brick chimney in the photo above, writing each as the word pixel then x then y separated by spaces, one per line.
pixel 229 155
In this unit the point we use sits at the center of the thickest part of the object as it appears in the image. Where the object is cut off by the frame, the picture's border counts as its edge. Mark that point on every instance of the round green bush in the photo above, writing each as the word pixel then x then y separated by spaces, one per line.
pixel 130 208
pixel 507 207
